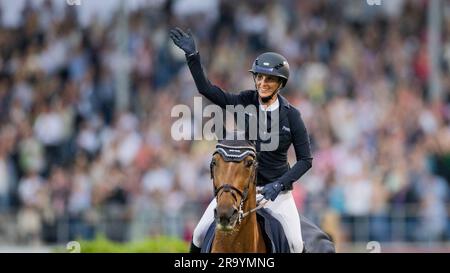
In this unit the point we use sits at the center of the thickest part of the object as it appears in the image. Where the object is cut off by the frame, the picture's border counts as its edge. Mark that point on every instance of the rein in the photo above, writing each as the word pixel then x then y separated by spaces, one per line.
pixel 260 204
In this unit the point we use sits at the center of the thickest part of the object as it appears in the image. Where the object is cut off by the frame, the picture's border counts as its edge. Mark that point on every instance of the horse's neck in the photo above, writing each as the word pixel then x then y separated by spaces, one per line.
pixel 248 236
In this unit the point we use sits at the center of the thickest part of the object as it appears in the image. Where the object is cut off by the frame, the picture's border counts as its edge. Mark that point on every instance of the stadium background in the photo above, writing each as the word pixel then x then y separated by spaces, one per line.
pixel 86 93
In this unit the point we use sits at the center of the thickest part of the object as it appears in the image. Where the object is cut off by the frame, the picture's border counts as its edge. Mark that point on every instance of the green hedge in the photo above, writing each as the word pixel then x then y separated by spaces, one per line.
pixel 161 244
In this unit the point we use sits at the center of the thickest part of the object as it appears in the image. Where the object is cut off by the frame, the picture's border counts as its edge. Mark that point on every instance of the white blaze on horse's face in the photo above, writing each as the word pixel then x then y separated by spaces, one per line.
pixel 231 181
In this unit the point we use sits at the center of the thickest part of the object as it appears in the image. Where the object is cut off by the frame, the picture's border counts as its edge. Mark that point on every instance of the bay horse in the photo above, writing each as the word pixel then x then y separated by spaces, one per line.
pixel 233 171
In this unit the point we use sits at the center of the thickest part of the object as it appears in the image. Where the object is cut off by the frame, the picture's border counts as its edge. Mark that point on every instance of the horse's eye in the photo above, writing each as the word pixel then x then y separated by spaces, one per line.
pixel 249 163
pixel 213 162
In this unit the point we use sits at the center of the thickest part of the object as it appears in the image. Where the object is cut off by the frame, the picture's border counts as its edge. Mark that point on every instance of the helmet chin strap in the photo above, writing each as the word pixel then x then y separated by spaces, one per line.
pixel 268 98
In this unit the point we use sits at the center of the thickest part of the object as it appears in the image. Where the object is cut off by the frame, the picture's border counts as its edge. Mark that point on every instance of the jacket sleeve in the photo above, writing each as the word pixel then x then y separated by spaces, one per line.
pixel 210 91
pixel 300 140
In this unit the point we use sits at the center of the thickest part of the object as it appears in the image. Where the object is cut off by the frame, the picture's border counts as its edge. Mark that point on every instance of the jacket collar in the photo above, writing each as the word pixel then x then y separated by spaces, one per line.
pixel 284 102
pixel 273 106
pixel 283 108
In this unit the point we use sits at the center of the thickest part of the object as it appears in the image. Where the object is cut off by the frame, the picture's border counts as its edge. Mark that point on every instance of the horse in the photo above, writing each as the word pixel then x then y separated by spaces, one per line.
pixel 234 174
pixel 233 171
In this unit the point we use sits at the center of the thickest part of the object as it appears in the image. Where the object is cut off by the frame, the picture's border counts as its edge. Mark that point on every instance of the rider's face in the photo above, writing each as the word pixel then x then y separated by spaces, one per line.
pixel 266 84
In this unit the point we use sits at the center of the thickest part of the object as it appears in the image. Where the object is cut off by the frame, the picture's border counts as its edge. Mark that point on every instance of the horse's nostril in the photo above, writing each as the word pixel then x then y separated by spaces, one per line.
pixel 235 211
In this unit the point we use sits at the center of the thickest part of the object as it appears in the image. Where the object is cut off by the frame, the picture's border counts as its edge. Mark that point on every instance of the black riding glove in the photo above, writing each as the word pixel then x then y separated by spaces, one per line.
pixel 271 190
pixel 183 40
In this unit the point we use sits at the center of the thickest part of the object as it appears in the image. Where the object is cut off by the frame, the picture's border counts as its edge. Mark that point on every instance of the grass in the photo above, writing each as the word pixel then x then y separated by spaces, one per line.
pixel 159 244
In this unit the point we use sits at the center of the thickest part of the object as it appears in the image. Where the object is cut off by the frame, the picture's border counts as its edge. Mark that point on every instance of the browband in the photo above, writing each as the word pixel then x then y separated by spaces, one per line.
pixel 234 153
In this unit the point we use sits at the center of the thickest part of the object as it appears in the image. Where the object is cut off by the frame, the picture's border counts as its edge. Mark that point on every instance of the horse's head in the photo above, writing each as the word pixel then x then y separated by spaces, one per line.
pixel 233 170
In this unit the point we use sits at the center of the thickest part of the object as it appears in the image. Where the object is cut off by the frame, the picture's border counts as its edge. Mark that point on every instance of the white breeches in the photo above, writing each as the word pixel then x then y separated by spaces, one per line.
pixel 283 209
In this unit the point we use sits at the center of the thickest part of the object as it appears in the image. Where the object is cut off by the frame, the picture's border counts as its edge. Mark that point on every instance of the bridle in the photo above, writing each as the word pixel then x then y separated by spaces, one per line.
pixel 236 154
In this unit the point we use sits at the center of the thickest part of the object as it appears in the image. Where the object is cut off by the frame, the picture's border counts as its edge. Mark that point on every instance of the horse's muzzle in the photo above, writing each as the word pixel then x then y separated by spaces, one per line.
pixel 226 218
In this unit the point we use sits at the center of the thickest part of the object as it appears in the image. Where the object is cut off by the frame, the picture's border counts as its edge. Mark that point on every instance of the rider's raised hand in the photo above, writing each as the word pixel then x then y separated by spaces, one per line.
pixel 183 40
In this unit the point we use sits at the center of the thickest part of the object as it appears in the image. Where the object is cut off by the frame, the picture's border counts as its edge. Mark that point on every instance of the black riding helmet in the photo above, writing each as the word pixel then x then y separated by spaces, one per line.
pixel 271 63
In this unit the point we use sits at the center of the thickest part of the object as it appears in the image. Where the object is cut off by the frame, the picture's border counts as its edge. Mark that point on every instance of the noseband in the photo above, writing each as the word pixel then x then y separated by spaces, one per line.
pixel 235 154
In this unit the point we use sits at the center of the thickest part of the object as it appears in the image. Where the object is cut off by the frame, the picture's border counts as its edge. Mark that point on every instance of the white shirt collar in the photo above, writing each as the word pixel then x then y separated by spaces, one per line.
pixel 271 107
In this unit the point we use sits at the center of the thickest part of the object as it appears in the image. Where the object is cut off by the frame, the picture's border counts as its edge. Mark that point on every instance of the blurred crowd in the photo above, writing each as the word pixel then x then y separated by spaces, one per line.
pixel 74 161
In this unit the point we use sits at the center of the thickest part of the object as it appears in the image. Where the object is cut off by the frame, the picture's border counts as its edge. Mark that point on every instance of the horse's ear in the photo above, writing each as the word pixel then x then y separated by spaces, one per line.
pixel 211 168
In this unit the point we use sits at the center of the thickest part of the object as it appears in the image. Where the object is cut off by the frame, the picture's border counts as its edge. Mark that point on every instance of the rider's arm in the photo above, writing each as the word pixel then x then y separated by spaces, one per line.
pixel 300 140
pixel 210 91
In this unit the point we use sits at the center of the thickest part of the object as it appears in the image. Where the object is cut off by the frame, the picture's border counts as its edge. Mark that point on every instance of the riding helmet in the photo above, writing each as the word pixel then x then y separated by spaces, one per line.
pixel 271 63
